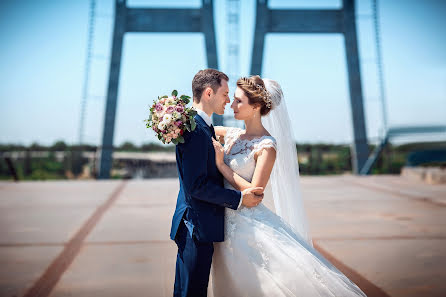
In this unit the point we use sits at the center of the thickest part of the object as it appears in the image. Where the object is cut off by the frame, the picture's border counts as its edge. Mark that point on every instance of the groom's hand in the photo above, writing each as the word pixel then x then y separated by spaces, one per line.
pixel 252 196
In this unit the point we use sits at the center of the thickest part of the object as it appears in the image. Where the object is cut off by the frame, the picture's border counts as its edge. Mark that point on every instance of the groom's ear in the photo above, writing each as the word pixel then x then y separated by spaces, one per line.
pixel 208 92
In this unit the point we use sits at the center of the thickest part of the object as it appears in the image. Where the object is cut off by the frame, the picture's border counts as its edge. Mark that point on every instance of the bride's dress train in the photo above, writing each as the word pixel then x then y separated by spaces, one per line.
pixel 261 254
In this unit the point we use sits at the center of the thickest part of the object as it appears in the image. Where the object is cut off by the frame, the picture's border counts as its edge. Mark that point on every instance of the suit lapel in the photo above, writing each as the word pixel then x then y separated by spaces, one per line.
pixel 199 120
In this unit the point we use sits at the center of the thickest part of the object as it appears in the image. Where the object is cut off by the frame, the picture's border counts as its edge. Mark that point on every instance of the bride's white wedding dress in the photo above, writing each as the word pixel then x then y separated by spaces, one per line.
pixel 261 254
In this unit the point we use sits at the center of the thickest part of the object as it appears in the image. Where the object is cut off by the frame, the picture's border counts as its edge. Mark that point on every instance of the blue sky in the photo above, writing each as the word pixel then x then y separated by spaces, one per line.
pixel 43 58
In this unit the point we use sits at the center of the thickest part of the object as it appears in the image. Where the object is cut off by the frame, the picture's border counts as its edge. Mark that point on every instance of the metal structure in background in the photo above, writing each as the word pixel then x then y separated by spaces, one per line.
pixel 146 20
pixel 395 132
pixel 387 132
pixel 320 21
pixel 379 65
pixel 88 57
pixel 232 51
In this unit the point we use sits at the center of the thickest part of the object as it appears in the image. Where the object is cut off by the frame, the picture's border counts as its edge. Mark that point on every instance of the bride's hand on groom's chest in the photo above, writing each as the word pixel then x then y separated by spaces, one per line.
pixel 221 140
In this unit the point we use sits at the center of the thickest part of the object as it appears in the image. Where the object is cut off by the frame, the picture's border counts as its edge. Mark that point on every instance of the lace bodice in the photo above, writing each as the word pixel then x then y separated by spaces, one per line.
pixel 239 153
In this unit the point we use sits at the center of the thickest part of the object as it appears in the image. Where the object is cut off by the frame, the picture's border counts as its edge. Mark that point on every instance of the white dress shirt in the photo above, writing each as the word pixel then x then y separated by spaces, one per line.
pixel 208 121
pixel 204 116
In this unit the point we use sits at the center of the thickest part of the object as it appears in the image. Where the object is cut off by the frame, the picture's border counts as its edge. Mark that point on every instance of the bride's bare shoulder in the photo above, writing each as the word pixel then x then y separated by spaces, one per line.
pixel 266 133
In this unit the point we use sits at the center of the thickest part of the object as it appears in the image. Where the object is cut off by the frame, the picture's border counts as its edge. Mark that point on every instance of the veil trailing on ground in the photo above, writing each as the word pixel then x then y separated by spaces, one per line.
pixel 285 179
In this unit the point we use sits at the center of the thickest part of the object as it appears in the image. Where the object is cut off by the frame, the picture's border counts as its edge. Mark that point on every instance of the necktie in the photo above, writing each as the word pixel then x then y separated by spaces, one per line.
pixel 213 132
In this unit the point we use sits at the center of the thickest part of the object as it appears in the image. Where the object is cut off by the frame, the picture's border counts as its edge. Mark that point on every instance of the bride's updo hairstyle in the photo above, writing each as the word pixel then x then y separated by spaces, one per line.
pixel 275 91
pixel 254 88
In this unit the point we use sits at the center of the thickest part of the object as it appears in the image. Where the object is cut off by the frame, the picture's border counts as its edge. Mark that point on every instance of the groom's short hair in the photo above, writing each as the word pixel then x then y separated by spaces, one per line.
pixel 207 78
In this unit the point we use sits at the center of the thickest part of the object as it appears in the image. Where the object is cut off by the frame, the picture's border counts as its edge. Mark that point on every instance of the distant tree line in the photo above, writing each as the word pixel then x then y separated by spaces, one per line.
pixel 62 146
pixel 314 159
pixel 52 167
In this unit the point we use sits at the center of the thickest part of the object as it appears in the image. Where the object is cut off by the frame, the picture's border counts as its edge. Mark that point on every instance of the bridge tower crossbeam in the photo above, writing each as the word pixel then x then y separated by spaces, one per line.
pixel 186 20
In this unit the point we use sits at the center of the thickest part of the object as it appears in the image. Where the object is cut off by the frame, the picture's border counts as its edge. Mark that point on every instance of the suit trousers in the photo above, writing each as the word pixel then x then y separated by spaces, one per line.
pixel 193 264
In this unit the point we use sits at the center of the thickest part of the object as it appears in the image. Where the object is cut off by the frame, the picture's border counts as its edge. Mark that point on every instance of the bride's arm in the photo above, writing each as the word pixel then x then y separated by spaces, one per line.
pixel 262 172
pixel 220 131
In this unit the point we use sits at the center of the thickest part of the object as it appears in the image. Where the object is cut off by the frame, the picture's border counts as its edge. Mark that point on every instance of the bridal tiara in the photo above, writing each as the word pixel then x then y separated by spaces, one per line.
pixel 266 95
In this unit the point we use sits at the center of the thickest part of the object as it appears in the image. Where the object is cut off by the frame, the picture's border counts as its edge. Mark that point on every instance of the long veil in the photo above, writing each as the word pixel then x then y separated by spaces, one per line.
pixel 285 178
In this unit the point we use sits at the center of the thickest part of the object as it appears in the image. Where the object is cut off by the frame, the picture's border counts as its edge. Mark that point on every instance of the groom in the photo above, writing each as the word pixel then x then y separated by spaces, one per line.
pixel 198 220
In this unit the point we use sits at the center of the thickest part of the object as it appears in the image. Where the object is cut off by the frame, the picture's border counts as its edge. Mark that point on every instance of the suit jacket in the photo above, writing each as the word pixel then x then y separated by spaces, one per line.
pixel 202 198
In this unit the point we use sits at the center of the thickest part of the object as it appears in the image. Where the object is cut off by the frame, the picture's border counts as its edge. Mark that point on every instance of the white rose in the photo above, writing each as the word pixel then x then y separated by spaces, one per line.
pixel 162 126
pixel 167 118
pixel 177 115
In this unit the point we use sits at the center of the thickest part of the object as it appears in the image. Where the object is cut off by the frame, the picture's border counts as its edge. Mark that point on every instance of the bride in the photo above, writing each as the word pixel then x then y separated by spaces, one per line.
pixel 267 253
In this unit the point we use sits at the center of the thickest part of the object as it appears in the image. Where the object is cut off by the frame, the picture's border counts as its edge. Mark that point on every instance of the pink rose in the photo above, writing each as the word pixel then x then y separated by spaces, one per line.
pixel 158 107
pixel 170 109
pixel 178 123
pixel 179 108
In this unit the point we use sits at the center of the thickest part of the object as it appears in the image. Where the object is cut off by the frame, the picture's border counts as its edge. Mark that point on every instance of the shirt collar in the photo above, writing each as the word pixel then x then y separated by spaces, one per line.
pixel 204 116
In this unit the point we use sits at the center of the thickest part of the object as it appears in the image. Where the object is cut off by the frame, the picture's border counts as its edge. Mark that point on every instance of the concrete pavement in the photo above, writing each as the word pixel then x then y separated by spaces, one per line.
pixel 111 238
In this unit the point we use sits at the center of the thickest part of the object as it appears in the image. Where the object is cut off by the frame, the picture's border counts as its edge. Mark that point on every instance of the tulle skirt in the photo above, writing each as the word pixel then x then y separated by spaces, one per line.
pixel 262 256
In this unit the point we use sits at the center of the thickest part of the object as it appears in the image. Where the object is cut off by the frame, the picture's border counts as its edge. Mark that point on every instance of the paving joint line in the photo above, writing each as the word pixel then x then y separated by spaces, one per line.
pixel 48 280
pixel 370 289
pixel 135 242
pixel 44 285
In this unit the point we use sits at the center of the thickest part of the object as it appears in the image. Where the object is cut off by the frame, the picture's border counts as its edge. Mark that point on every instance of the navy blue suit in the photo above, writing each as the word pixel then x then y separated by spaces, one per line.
pixel 200 204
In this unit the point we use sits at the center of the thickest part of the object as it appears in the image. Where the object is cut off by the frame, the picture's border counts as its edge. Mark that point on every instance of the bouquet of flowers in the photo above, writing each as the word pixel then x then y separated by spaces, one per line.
pixel 169 118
